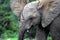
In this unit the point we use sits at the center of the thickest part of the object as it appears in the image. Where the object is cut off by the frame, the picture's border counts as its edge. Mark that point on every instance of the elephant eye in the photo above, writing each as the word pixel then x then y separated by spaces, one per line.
pixel 30 18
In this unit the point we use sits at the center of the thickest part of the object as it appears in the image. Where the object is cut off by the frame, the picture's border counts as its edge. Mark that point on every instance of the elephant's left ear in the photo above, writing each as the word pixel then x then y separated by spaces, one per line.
pixel 51 11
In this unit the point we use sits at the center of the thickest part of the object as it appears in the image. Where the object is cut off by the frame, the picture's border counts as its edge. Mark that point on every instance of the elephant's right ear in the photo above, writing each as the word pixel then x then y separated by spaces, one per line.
pixel 17 6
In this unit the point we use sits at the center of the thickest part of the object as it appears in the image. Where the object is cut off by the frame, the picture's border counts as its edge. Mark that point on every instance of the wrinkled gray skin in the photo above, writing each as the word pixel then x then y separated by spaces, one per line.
pixel 53 28
pixel 33 14
pixel 30 16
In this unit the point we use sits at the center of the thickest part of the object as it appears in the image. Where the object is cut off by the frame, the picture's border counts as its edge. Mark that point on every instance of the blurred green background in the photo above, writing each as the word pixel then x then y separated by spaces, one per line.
pixel 9 23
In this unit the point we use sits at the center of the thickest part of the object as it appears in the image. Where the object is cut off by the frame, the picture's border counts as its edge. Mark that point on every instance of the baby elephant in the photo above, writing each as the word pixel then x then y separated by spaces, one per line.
pixel 45 16
pixel 29 17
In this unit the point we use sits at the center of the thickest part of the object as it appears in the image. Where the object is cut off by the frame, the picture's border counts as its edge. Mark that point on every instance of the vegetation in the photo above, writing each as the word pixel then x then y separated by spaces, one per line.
pixel 8 21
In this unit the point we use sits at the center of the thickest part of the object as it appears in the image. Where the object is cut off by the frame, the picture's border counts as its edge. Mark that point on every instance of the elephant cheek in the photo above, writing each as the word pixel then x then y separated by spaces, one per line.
pixel 27 27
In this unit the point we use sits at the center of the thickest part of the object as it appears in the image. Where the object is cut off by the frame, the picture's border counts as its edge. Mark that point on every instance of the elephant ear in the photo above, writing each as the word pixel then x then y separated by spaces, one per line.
pixel 50 12
pixel 17 6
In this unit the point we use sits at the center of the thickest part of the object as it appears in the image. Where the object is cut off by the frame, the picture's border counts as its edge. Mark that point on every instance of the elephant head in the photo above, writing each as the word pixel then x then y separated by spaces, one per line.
pixel 30 17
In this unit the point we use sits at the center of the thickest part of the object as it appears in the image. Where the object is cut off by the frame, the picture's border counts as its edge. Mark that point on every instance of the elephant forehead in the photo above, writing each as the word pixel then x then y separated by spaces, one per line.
pixel 28 12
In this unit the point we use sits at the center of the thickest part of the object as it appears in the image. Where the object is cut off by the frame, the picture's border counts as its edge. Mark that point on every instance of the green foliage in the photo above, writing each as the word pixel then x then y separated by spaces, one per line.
pixel 8 21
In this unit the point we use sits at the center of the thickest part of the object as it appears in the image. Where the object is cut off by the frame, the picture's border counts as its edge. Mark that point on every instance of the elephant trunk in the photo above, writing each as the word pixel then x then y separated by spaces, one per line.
pixel 21 33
